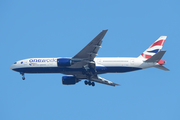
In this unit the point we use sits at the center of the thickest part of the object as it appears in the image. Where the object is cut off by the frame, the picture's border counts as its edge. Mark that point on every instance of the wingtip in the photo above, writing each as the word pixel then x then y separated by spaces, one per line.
pixel 105 30
pixel 116 85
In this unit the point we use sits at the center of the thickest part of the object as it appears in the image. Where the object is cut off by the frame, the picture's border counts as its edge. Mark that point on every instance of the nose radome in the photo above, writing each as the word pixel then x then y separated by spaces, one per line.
pixel 12 67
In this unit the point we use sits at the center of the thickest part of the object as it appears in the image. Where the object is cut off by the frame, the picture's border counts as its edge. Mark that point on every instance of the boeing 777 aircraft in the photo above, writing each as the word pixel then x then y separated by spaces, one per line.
pixel 84 65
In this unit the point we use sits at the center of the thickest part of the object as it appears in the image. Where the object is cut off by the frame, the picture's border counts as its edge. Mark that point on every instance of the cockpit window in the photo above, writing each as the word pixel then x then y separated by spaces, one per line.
pixel 15 63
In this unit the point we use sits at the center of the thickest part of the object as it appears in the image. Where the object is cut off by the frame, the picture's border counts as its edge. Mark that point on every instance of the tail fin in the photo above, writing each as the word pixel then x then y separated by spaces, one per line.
pixel 154 48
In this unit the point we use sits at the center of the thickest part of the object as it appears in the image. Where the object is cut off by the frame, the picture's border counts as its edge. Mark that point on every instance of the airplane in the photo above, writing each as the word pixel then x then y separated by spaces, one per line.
pixel 86 66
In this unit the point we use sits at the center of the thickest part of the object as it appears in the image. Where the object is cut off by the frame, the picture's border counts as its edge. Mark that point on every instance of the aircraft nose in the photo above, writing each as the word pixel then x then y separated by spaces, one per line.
pixel 12 67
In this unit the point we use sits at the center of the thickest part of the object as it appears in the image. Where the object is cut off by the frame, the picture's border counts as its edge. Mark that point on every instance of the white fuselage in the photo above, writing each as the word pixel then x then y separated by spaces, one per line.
pixel 103 65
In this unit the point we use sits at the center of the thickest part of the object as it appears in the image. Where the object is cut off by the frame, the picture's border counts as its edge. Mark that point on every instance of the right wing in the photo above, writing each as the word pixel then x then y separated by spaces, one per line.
pixel 103 81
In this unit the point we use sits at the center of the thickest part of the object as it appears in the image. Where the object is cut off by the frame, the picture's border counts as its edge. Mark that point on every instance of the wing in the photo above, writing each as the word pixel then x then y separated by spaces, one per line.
pixel 85 59
pixel 89 52
pixel 103 81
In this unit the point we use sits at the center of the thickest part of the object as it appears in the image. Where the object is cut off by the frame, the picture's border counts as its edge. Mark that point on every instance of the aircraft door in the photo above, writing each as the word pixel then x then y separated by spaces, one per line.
pixel 99 61
pixel 132 61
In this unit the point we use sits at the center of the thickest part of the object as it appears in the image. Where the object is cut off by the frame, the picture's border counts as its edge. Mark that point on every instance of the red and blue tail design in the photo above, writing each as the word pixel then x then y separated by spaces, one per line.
pixel 154 48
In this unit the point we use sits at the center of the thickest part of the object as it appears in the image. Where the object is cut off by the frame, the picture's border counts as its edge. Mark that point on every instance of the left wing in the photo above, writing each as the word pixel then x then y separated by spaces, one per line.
pixel 85 59
pixel 89 52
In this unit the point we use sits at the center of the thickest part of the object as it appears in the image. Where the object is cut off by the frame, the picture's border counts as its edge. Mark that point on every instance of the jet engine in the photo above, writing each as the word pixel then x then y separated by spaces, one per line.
pixel 69 80
pixel 63 62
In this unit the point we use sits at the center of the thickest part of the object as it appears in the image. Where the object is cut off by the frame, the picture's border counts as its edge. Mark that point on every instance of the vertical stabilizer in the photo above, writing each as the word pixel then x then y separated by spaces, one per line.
pixel 154 48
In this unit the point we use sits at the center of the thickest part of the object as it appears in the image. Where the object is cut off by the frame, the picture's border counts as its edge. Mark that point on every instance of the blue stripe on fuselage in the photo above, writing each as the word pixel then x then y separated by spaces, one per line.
pixel 46 69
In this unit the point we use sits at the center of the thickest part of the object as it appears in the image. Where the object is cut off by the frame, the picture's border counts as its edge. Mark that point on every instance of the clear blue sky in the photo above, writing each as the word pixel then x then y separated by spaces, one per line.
pixel 40 28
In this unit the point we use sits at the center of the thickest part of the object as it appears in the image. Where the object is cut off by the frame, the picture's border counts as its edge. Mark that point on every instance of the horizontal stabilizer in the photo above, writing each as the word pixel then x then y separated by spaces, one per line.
pixel 156 57
pixel 162 67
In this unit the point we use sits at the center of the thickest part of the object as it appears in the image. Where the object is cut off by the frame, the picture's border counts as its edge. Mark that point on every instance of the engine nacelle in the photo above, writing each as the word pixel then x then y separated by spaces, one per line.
pixel 69 80
pixel 63 62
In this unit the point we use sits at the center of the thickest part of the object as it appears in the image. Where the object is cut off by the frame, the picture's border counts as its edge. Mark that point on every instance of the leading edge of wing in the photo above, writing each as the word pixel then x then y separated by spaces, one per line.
pixel 90 50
